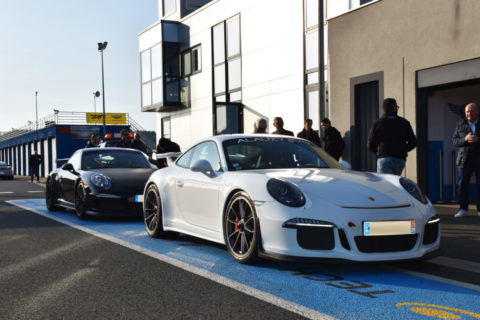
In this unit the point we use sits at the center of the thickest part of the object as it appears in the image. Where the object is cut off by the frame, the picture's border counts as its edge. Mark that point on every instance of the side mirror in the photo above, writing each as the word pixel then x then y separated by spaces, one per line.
pixel 202 166
pixel 69 167
pixel 345 164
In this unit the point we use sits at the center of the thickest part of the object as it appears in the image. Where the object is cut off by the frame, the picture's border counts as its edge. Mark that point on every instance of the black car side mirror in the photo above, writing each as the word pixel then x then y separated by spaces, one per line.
pixel 69 167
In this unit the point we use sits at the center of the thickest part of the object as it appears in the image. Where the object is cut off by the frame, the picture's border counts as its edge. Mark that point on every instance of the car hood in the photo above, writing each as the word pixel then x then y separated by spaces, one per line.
pixel 346 188
pixel 126 181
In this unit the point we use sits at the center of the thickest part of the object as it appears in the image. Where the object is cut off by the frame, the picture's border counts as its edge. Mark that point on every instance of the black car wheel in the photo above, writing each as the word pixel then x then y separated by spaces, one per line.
pixel 242 232
pixel 51 196
pixel 80 202
pixel 152 214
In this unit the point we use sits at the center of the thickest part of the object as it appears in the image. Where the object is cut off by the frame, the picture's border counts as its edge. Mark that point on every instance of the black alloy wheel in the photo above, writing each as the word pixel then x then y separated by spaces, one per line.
pixel 80 202
pixel 152 214
pixel 242 232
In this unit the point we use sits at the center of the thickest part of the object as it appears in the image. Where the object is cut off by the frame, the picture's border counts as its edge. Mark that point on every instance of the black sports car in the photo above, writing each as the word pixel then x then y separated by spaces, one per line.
pixel 108 181
pixel 6 171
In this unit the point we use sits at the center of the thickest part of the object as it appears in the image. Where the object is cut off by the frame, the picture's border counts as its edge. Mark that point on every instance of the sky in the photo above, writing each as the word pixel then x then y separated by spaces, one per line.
pixel 50 46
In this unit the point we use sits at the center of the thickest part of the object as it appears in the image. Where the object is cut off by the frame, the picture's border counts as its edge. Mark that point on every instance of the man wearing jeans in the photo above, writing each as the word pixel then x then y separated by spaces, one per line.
pixel 391 138
pixel 34 161
pixel 466 138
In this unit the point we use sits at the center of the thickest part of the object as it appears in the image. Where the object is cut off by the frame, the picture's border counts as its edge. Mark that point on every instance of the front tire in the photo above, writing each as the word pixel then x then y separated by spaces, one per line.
pixel 241 228
pixel 80 202
pixel 153 215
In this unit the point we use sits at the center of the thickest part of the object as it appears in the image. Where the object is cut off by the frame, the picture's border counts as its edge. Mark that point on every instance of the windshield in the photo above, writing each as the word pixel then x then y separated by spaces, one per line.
pixel 120 158
pixel 274 153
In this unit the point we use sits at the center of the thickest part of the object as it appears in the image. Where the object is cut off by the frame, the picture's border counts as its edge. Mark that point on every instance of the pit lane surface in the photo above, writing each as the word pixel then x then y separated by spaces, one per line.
pixel 314 291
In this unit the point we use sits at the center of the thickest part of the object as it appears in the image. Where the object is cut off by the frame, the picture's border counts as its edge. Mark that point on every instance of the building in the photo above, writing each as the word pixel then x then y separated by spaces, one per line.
pixel 426 54
pixel 56 138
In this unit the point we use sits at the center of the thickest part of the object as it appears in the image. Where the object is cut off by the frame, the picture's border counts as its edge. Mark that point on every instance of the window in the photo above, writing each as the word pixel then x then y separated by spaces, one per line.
pixel 75 160
pixel 151 66
pixel 168 6
pixel 227 71
pixel 184 160
pixel 191 61
pixel 207 151
pixel 166 128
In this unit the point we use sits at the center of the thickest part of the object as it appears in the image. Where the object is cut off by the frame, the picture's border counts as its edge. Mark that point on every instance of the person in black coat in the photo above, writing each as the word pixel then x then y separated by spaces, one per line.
pixel 125 139
pixel 467 138
pixel 391 138
pixel 278 124
pixel 34 162
pixel 309 134
pixel 93 142
pixel 138 143
pixel 165 145
pixel 332 139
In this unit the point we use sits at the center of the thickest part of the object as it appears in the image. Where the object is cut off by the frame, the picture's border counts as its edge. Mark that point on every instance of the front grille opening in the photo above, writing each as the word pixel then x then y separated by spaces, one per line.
pixel 315 238
pixel 343 239
pixel 431 233
pixel 386 243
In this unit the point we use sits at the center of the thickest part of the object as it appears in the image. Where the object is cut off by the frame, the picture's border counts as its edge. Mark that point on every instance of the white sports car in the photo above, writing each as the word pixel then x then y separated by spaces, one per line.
pixel 284 197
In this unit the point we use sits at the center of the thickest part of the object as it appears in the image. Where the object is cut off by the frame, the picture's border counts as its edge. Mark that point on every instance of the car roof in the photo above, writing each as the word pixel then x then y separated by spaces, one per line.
pixel 226 137
pixel 106 149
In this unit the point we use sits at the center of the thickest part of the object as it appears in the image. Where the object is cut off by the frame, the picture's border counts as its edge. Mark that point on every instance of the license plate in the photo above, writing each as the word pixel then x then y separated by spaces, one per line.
pixel 139 198
pixel 388 228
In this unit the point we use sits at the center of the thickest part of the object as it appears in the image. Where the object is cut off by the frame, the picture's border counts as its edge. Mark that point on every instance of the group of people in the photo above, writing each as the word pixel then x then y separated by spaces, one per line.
pixel 124 142
pixel 332 139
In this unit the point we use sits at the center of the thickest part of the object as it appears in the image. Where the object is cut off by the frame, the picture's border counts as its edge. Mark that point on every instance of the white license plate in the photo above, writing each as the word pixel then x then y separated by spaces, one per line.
pixel 139 198
pixel 388 228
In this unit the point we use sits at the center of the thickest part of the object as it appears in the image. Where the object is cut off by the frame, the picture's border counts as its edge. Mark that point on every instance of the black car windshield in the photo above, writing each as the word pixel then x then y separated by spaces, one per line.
pixel 251 153
pixel 120 158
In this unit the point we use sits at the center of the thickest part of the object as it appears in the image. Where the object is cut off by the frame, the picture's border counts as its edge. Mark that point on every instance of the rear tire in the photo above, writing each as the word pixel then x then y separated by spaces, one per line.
pixel 241 229
pixel 80 202
pixel 50 196
pixel 153 214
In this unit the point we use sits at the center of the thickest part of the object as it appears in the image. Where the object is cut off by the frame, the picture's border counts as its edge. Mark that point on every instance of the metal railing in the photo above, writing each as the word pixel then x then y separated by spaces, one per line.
pixel 61 117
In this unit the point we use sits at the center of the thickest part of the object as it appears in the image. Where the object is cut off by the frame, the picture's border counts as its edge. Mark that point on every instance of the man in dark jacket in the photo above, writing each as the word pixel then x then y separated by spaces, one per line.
pixel 278 124
pixel 125 139
pixel 391 138
pixel 138 143
pixel 466 138
pixel 308 133
pixel 34 162
pixel 165 145
pixel 93 142
pixel 332 139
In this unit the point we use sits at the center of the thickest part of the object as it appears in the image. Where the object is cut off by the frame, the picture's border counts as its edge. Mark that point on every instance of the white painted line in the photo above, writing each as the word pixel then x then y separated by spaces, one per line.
pixel 35 191
pixel 262 295
pixel 6 192
pixel 456 263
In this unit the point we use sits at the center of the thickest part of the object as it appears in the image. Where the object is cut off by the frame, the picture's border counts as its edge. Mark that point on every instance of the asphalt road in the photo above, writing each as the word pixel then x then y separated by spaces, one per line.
pixel 52 271
pixel 49 270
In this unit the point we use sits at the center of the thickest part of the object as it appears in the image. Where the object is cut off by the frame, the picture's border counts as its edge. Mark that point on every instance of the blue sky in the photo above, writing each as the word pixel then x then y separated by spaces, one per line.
pixel 50 46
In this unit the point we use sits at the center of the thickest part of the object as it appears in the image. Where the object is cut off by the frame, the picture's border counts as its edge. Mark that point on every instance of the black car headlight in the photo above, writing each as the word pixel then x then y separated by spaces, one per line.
pixel 100 181
pixel 285 192
pixel 413 189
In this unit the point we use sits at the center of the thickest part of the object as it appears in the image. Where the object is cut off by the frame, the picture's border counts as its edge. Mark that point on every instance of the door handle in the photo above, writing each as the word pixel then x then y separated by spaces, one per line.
pixel 179 183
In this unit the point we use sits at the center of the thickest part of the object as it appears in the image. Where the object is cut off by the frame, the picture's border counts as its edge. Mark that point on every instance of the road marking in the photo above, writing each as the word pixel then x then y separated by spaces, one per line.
pixel 6 192
pixel 262 295
pixel 35 191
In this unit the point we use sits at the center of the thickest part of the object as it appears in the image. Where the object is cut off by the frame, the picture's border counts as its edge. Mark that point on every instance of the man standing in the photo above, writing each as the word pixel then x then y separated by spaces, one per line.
pixel 93 142
pixel 308 133
pixel 278 124
pixel 332 139
pixel 391 138
pixel 466 138
pixel 260 126
pixel 138 143
pixel 34 161
pixel 125 139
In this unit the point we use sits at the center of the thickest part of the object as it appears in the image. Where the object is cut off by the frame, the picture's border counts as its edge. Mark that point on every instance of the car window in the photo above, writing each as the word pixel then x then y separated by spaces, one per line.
pixel 184 160
pixel 75 160
pixel 207 151
pixel 272 153
pixel 117 158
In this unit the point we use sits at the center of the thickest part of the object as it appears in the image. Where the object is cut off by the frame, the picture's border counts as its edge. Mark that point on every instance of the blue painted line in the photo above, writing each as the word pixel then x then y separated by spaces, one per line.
pixel 341 291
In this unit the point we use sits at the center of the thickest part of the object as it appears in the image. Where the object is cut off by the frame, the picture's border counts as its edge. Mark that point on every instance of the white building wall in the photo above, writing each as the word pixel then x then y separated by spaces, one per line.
pixel 272 64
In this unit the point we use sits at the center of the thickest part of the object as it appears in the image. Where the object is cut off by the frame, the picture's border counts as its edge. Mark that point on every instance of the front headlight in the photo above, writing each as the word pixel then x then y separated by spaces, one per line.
pixel 100 181
pixel 413 189
pixel 285 192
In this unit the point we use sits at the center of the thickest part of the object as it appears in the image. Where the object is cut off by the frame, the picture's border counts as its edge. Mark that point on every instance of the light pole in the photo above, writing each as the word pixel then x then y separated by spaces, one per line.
pixel 101 47
pixel 96 94
pixel 36 110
